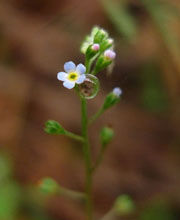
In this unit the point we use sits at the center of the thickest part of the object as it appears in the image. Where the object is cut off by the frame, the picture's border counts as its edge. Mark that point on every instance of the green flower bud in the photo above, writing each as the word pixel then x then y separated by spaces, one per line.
pixel 89 40
pixel 112 98
pixel 101 63
pixel 106 135
pixel 124 205
pixel 100 36
pixel 97 36
pixel 92 51
pixel 48 186
pixel 53 127
pixel 106 44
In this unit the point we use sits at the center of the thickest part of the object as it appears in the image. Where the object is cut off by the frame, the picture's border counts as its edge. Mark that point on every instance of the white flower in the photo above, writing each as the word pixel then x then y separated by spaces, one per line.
pixel 109 54
pixel 73 74
pixel 117 91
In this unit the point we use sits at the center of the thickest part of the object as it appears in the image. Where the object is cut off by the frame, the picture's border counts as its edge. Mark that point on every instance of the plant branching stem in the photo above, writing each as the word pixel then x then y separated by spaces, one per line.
pixel 87 158
pixel 74 136
pixel 99 159
pixel 110 215
pixel 88 65
pixel 72 194
pixel 96 116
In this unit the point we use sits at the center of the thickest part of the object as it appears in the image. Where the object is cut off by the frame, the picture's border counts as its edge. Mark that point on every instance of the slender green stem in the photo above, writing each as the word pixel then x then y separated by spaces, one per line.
pixel 88 65
pixel 109 216
pixel 72 194
pixel 87 158
pixel 74 136
pixel 94 72
pixel 99 159
pixel 96 116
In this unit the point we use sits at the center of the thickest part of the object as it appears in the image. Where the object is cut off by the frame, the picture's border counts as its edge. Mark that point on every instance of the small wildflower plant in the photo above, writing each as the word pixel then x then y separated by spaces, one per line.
pixel 98 49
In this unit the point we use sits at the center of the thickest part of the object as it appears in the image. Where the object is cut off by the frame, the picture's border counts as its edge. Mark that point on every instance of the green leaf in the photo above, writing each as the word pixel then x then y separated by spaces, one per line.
pixel 53 127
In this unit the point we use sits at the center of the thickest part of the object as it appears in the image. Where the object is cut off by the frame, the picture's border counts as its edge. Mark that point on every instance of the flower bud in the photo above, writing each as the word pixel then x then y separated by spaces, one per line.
pixel 48 186
pixel 112 98
pixel 109 54
pixel 117 91
pixel 95 47
pixel 100 36
pixel 110 41
pixel 106 135
pixel 53 127
pixel 124 205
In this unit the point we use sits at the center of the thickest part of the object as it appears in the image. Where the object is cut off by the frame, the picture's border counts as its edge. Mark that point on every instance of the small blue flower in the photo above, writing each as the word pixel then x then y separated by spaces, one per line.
pixel 73 74
pixel 117 91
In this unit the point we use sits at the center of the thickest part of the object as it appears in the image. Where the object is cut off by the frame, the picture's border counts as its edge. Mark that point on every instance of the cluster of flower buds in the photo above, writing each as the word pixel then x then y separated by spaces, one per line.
pixel 99 45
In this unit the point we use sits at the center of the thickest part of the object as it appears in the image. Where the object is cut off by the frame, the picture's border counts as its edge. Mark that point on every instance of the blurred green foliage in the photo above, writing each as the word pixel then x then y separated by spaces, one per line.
pixel 121 18
pixel 162 14
pixel 153 94
pixel 157 211
pixel 124 205
pixel 16 200
pixel 9 191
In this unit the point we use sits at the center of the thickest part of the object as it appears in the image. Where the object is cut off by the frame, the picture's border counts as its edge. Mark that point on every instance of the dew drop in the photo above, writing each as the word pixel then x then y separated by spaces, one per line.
pixel 90 87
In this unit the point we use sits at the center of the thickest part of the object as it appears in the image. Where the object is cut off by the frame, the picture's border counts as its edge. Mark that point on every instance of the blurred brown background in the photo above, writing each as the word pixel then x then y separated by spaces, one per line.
pixel 36 38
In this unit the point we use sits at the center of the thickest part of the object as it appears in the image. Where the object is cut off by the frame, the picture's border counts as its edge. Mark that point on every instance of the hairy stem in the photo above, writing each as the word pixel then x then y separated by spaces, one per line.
pixel 109 216
pixel 72 194
pixel 87 158
pixel 74 136
pixel 99 159
pixel 88 65
pixel 96 116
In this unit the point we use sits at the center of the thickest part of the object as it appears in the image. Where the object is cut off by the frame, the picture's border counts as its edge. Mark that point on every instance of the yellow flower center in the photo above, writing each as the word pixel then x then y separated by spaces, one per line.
pixel 73 76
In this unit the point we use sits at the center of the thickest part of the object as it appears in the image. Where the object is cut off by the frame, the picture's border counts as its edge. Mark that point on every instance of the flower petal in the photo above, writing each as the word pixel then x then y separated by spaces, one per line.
pixel 81 69
pixel 61 76
pixel 69 66
pixel 117 91
pixel 68 84
pixel 81 79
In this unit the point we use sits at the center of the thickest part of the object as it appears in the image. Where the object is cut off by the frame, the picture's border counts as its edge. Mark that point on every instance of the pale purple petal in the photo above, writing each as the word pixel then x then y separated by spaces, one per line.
pixel 61 76
pixel 81 79
pixel 110 54
pixel 81 69
pixel 117 91
pixel 69 66
pixel 68 84
pixel 95 47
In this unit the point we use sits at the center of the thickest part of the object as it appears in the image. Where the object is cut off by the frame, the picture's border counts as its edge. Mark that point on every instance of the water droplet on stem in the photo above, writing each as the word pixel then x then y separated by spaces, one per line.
pixel 90 87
